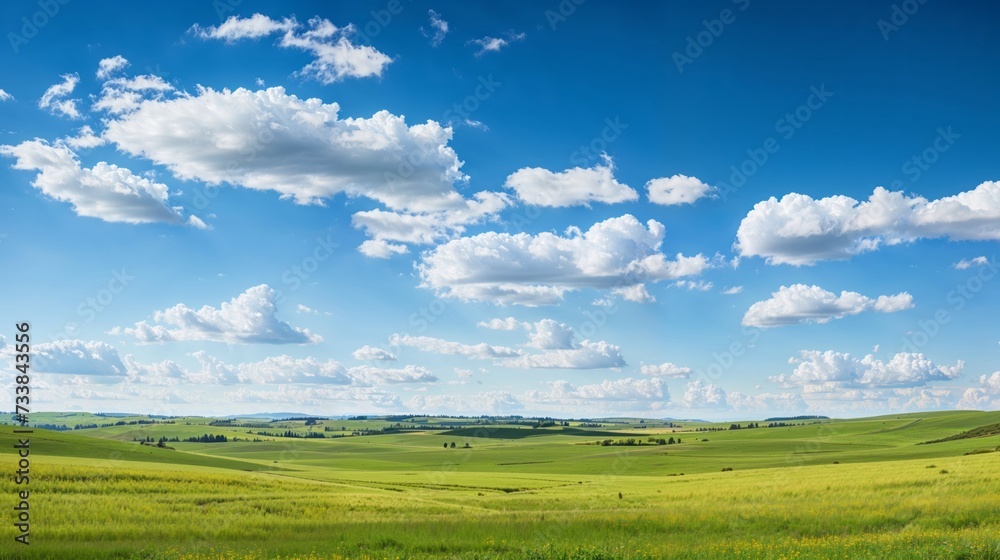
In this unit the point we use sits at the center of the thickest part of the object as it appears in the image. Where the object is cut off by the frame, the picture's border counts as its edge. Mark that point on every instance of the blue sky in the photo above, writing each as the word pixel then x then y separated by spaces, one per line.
pixel 729 209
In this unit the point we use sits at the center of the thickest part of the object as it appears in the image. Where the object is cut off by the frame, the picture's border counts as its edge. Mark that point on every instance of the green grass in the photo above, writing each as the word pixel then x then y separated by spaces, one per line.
pixel 551 495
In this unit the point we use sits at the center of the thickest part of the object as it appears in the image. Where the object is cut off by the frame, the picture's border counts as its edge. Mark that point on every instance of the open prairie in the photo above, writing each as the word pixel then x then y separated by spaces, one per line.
pixel 864 488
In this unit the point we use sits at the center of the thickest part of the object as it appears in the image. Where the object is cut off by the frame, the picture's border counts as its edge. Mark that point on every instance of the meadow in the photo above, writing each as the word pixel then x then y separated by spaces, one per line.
pixel 862 488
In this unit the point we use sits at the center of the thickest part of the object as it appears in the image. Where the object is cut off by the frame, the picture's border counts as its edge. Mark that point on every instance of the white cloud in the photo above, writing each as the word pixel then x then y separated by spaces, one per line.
pixel 494 44
pixel 799 230
pixel 572 187
pixel 439 27
pixel 274 369
pixel 700 395
pixel 425 227
pixel 123 95
pixel 463 373
pixel 628 389
pixel 108 66
pixel 372 353
pixel 666 369
pixel 733 291
pixel 984 397
pixel 372 375
pixel 300 149
pixel 489 402
pixel 247 318
pixel 381 249
pixel 548 334
pixel 507 324
pixel 799 304
pixel 105 191
pixel 335 56
pixel 74 357
pixel 586 355
pixel 691 286
pixel 615 254
pixel 830 371
pixel 236 28
pixel 678 189
pixel 350 398
pixel 775 404
pixel 480 351
pixel 966 264
pixel 53 98
pixel 85 138
pixel 4 96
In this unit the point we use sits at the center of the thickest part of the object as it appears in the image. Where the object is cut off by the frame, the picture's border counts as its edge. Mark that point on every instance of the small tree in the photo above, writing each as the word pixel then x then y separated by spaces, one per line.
pixel 453 445
pixel 446 445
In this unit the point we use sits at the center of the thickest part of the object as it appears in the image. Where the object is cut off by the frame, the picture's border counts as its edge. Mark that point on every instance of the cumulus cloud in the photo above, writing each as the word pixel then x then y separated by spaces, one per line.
pixel 798 304
pixel 54 99
pixel 616 254
pixel 572 187
pixel 776 404
pixel 548 334
pixel 666 369
pixel 281 369
pixel 105 191
pixel 800 230
pixel 335 57
pixel 494 44
pixel 301 148
pixel 372 353
pixel 371 375
pixel 108 66
pixel 236 28
pixel 85 138
pixel 488 402
pixel 352 398
pixel 439 28
pixel 678 189
pixel 480 351
pixel 585 355
pixel 506 324
pixel 733 290
pixel 123 95
pixel 247 318
pixel 381 249
pixel 700 395
pixel 986 396
pixel 830 370
pixel 389 229
pixel 966 264
pixel 628 389
pixel 274 369
pixel 73 357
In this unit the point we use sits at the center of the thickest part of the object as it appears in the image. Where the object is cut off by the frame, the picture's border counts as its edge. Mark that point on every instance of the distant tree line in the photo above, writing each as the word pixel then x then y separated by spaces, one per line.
pixel 638 442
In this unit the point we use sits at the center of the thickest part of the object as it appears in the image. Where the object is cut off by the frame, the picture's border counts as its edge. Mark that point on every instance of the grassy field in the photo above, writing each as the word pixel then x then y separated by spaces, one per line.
pixel 865 488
